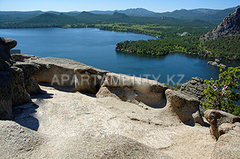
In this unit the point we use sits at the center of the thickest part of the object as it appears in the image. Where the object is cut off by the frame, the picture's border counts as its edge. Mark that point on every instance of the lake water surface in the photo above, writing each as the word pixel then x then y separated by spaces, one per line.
pixel 97 48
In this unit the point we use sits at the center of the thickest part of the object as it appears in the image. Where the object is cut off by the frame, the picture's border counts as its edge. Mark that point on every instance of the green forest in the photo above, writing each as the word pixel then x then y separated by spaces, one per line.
pixel 225 47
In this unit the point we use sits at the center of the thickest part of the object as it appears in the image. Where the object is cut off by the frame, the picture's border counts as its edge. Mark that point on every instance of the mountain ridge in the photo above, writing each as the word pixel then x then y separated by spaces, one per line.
pixel 205 14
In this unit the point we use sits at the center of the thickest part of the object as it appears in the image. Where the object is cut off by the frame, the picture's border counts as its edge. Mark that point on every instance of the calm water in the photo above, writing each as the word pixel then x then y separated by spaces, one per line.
pixel 94 47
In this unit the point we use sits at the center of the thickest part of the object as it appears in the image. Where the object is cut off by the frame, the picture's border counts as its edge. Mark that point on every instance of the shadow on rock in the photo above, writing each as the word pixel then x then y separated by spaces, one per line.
pixel 43 95
pixel 24 115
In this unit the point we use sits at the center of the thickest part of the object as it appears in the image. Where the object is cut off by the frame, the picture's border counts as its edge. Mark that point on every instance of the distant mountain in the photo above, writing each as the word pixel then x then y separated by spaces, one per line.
pixel 187 14
pixel 14 16
pixel 229 26
pixel 210 15
pixel 132 11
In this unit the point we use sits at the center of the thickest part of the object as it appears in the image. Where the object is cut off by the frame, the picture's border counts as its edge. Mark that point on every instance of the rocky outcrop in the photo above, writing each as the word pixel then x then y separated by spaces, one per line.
pixel 67 74
pixel 225 128
pixel 229 26
pixel 133 89
pixel 7 80
pixel 151 93
pixel 216 118
pixel 194 88
pixel 17 81
pixel 228 143
pixel 216 63
pixel 30 71
pixel 5 57
pixel 20 94
pixel 184 107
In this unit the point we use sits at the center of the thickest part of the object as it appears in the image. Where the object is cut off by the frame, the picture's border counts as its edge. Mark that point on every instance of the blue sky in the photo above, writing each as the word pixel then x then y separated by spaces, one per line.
pixel 88 5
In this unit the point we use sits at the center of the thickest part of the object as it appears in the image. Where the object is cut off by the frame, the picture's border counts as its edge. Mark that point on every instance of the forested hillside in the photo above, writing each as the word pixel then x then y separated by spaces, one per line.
pixel 225 47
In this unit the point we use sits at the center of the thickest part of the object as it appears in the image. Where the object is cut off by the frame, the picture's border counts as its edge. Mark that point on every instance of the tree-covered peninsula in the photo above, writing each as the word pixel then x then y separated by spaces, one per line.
pixel 221 42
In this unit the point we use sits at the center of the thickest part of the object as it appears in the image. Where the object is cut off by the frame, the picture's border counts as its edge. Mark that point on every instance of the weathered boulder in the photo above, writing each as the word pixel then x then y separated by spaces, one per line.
pixel 69 75
pixel 5 57
pixel 184 107
pixel 30 71
pixel 217 118
pixel 20 95
pixel 133 89
pixel 7 81
pixel 228 143
pixel 194 88
pixel 14 80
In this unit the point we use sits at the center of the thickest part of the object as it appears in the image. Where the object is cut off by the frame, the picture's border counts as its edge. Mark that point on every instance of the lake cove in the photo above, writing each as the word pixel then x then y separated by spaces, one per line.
pixel 97 48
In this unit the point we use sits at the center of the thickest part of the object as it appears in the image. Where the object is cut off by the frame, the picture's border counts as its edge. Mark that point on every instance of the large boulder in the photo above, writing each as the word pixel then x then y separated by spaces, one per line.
pixel 184 107
pixel 20 95
pixel 225 128
pixel 16 80
pixel 133 89
pixel 30 71
pixel 216 118
pixel 7 80
pixel 194 88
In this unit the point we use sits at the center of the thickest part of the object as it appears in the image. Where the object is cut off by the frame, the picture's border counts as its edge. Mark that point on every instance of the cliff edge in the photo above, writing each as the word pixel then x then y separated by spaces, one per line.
pixel 229 26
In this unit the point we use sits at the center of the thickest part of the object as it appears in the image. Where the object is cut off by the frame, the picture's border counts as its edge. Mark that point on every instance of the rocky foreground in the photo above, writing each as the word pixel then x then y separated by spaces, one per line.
pixel 79 111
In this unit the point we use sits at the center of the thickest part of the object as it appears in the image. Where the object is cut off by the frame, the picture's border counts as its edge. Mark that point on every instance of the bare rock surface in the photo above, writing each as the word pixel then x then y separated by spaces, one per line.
pixel 185 107
pixel 68 75
pixel 226 129
pixel 133 89
pixel 216 118
pixel 17 140
pixel 229 26
pixel 75 125
pixel 12 86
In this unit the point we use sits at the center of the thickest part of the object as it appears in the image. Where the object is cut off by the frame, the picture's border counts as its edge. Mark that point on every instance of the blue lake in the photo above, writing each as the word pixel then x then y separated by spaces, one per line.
pixel 97 48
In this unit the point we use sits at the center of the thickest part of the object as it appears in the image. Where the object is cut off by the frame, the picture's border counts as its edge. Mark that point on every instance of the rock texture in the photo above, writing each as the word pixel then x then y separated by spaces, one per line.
pixel 6 91
pixel 225 128
pixel 5 57
pixel 228 143
pixel 216 118
pixel 133 89
pixel 229 26
pixel 18 139
pixel 68 75
pixel 30 71
pixel 194 88
pixel 74 125
pixel 184 107
pixel 151 93
pixel 17 81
